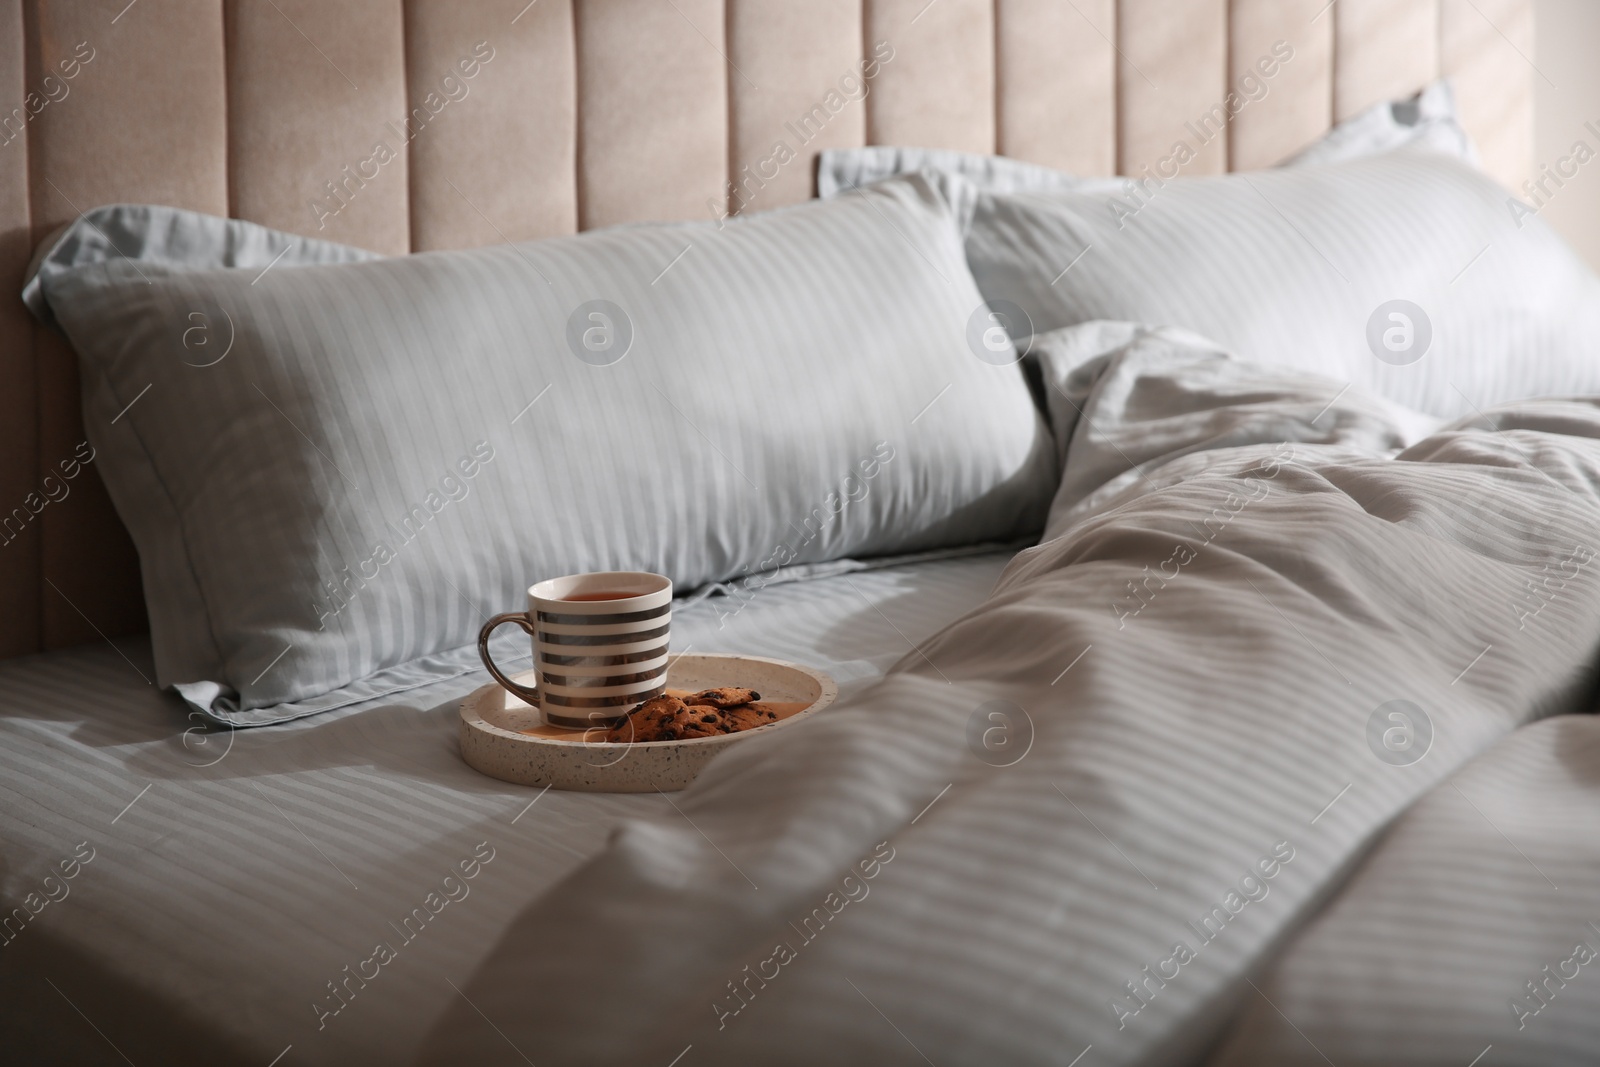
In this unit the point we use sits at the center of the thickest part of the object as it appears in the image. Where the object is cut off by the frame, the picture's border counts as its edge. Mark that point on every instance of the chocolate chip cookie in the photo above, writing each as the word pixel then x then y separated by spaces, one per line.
pixel 748 716
pixel 708 713
pixel 727 696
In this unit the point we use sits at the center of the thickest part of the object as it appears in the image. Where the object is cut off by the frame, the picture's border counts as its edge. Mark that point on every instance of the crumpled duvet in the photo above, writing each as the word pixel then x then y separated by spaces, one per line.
pixel 1080 819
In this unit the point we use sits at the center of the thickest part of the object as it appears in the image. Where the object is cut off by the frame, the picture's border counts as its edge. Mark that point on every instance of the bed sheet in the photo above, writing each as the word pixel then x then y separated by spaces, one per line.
pixel 1089 816
pixel 184 896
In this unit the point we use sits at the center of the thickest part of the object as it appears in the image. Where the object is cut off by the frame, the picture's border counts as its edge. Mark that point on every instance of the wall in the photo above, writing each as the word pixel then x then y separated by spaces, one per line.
pixel 1567 95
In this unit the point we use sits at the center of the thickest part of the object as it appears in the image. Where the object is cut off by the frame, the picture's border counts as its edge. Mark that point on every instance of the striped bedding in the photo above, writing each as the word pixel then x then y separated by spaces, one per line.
pixel 1073 826
pixel 1472 934
pixel 376 445
pixel 1306 265
pixel 231 877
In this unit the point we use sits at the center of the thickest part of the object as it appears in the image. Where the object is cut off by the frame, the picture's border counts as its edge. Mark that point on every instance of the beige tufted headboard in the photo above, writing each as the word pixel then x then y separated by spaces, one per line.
pixel 316 116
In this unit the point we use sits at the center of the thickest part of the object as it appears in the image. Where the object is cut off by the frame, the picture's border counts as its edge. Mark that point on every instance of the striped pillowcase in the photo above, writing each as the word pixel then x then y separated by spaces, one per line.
pixel 1410 274
pixel 1427 120
pixel 331 471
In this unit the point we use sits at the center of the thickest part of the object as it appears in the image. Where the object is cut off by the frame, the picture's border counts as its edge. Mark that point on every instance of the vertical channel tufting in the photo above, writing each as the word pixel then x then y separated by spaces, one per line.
pixel 594 112
pixel 317 119
pixel 1285 103
pixel 1382 49
pixel 497 163
pixel 652 109
pixel 19 429
pixel 1486 49
pixel 1055 80
pixel 937 84
pixel 144 122
pixel 806 55
pixel 1171 86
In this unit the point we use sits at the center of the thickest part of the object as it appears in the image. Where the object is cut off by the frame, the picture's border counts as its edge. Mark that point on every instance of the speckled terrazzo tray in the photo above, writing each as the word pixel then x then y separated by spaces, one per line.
pixel 504 738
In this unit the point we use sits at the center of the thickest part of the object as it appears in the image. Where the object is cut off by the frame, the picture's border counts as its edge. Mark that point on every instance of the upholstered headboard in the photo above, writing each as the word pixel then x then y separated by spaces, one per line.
pixel 336 118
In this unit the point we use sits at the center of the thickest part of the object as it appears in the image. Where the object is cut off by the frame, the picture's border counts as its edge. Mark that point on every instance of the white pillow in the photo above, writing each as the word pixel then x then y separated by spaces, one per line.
pixel 334 473
pixel 155 235
pixel 841 170
pixel 1426 120
pixel 1429 120
pixel 1404 273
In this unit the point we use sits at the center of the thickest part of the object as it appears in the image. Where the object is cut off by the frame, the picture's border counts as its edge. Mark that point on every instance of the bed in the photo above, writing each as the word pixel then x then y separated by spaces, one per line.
pixel 1214 687
pixel 384 803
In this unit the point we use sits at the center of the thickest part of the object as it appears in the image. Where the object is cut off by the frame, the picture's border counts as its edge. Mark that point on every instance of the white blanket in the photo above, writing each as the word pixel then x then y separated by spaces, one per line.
pixel 1471 933
pixel 1083 813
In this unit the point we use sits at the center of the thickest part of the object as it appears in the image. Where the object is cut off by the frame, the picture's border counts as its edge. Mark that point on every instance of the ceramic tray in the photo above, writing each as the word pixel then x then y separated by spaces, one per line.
pixel 504 738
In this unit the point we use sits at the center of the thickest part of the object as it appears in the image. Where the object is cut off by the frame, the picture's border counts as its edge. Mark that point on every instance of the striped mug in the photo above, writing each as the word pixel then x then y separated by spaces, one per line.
pixel 599 645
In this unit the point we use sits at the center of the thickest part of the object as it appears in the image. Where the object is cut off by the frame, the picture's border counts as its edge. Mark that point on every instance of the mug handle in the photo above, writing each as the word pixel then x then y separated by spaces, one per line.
pixel 527 693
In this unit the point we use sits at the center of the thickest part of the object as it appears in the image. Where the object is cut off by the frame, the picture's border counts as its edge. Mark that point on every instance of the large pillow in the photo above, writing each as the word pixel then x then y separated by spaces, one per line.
pixel 1408 273
pixel 335 472
pixel 843 170
pixel 160 236
pixel 1427 120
